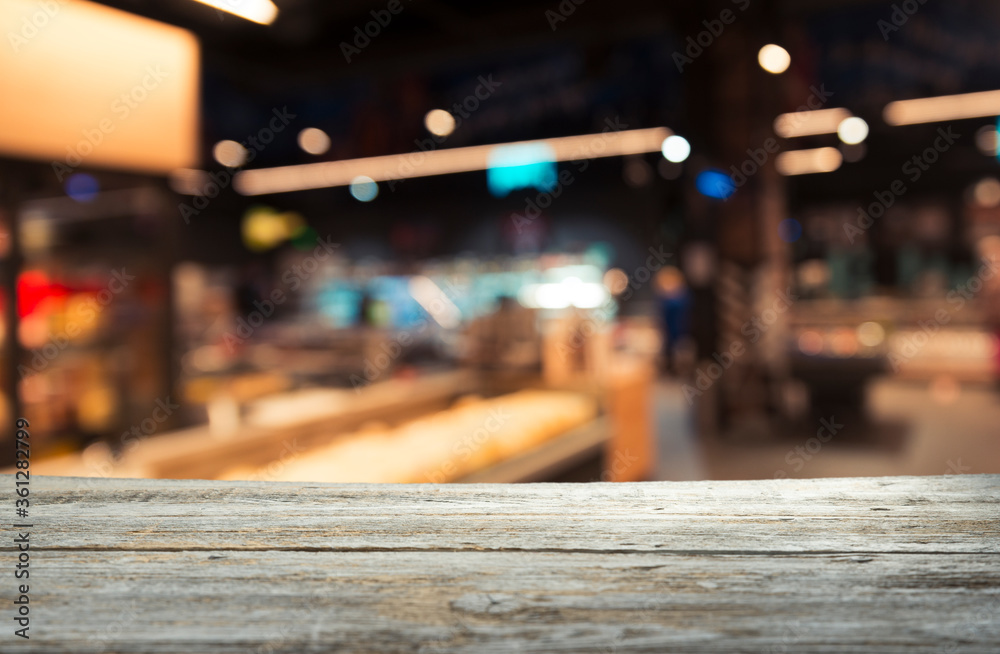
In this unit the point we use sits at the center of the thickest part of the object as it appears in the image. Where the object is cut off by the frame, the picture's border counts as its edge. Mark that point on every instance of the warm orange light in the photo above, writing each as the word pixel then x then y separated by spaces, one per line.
pixel 945 107
pixel 440 162
pixel 804 162
pixel 88 85
pixel 809 123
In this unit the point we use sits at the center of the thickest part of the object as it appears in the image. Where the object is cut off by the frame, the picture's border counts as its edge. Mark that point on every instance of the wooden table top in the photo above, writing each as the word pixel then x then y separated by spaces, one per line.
pixel 895 564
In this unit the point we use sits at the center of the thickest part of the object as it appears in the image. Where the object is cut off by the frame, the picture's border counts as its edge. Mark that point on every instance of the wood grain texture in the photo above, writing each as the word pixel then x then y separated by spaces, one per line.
pixel 899 564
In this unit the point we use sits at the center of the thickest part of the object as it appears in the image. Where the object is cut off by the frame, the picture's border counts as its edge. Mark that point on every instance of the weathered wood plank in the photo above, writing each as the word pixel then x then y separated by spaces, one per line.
pixel 836 565
pixel 905 514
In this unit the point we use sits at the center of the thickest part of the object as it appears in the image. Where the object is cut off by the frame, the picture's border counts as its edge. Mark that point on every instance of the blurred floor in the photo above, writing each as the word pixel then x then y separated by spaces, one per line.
pixel 937 436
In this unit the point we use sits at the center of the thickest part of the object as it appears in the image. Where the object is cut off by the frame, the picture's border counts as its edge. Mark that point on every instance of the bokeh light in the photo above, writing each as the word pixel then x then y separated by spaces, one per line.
pixel 774 59
pixel 714 183
pixel 314 140
pixel 790 230
pixel 439 122
pixel 676 148
pixel 364 189
pixel 852 130
pixel 230 154
pixel 82 187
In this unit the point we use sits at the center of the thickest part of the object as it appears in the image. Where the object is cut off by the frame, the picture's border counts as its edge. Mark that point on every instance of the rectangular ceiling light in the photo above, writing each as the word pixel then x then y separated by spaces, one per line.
pixel 441 162
pixel 258 11
pixel 804 162
pixel 945 107
pixel 95 86
pixel 809 123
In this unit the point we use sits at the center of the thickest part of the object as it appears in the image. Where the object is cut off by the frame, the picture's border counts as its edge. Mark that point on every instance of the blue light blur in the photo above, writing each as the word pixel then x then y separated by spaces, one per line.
pixel 714 183
pixel 790 230
pixel 82 187
pixel 512 167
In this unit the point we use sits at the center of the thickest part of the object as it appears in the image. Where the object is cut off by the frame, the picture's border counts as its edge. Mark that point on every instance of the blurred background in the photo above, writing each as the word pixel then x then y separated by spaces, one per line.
pixel 572 240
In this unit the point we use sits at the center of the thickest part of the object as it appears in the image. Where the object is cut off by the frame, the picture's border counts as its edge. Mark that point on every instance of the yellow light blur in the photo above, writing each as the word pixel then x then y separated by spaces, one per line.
pixel 262 12
pixel 810 123
pixel 439 122
pixel 774 59
pixel 870 334
pixel 263 228
pixel 96 408
pixel 804 162
pixel 328 174
pixel 945 107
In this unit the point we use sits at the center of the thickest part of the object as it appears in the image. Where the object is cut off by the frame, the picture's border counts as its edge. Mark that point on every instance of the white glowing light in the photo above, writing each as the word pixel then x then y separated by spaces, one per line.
pixel 774 59
pixel 675 148
pixel 852 130
pixel 569 292
pixel 258 11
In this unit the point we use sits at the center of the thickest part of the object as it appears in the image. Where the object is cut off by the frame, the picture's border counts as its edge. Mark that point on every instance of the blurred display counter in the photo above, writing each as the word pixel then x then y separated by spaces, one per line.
pixel 914 339
pixel 432 427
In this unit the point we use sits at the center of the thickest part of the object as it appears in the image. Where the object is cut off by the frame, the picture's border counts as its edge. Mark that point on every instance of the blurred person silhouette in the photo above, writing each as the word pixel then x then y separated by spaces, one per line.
pixel 675 312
